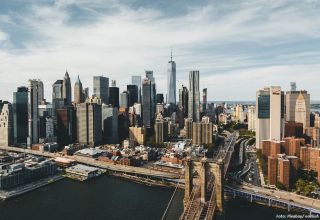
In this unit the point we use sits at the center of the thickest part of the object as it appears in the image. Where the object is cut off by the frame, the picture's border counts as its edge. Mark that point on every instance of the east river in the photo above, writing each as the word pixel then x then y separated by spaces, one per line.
pixel 111 198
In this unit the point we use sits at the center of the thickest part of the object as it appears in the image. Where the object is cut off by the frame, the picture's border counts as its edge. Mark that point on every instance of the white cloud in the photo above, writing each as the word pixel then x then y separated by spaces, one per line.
pixel 125 41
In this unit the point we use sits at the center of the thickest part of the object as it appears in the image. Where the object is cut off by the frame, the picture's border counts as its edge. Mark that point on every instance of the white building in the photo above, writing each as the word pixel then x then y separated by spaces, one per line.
pixel 252 118
pixel 269 114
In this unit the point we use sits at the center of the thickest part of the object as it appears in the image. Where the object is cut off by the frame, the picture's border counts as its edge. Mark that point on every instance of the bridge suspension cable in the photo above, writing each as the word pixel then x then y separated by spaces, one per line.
pixel 170 201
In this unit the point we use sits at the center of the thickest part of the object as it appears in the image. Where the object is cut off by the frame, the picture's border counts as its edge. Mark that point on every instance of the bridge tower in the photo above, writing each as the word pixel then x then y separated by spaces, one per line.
pixel 210 181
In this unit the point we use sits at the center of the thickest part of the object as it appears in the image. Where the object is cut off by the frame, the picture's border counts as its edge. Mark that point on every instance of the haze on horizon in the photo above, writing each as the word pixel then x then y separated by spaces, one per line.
pixel 238 46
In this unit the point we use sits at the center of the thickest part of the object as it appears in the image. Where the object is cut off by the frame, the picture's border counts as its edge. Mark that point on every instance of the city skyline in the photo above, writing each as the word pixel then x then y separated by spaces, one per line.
pixel 250 43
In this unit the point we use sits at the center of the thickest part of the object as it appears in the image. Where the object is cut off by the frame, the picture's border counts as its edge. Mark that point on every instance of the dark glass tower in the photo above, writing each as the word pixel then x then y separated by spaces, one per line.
pixel 20 115
pixel 133 94
pixel 101 88
pixel 114 96
pixel 147 103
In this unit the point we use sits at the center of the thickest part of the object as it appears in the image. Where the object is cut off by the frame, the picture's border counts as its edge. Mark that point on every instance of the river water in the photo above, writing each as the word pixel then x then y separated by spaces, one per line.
pixel 111 198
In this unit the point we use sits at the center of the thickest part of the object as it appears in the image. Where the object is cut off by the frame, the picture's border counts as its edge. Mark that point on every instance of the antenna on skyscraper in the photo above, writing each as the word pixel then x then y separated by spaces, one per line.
pixel 171 54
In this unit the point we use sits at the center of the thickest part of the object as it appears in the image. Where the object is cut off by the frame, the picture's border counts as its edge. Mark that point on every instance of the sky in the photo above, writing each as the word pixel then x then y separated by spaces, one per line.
pixel 238 46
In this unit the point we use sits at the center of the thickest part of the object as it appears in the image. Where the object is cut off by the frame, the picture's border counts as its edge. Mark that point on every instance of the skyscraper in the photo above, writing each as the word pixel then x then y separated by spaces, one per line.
pixel 298 107
pixel 136 80
pixel 89 126
pixel 149 75
pixel 124 99
pixel 133 93
pixel 114 95
pixel 171 81
pixel 270 109
pixel 183 100
pixel 6 119
pixel 66 89
pixel 204 99
pixel 35 96
pixel 194 96
pixel 20 115
pixel 78 92
pixel 109 124
pixel 66 126
pixel 251 118
pixel 101 88
pixel 57 98
pixel 160 130
pixel 146 103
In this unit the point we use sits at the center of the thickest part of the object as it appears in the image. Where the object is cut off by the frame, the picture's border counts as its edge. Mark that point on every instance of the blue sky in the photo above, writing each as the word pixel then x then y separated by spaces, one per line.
pixel 238 46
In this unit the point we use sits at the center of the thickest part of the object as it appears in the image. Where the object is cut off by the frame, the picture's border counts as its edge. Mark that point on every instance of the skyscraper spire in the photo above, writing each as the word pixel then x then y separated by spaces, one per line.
pixel 171 54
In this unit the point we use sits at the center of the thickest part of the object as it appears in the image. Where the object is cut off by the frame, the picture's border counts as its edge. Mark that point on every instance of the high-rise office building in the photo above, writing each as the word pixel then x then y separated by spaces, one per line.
pixel 109 124
pixel 58 101
pixel 114 94
pixel 194 96
pixel 160 130
pixel 188 127
pixel 136 80
pixel 298 107
pixel 160 98
pixel 149 75
pixel 89 126
pixel 202 132
pixel 79 96
pixel 101 88
pixel 66 126
pixel 251 118
pixel 20 115
pixel 270 109
pixel 124 99
pixel 238 113
pixel 147 103
pixel 171 82
pixel 35 96
pixel 293 86
pixel 133 93
pixel 45 113
pixel 204 99
pixel 183 100
pixel 66 89
pixel 6 121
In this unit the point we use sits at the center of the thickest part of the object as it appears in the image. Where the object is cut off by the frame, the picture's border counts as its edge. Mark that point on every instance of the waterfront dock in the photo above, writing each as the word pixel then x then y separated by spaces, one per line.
pixel 6 194
pixel 82 172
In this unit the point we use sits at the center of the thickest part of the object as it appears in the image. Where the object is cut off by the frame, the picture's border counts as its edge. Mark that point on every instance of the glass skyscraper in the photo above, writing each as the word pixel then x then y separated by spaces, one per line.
pixel 171 82
pixel 20 115
pixel 194 96
pixel 101 88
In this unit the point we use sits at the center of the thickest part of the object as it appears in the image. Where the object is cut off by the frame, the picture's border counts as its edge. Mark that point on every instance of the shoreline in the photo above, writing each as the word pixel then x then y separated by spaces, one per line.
pixel 7 194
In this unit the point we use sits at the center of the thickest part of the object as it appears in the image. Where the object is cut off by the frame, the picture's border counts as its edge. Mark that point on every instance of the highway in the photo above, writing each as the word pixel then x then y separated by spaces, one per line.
pixel 283 195
pixel 96 163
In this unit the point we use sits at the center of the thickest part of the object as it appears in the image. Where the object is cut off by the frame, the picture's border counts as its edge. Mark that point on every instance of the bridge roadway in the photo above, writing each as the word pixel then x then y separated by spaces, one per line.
pixel 100 164
pixel 225 153
pixel 284 197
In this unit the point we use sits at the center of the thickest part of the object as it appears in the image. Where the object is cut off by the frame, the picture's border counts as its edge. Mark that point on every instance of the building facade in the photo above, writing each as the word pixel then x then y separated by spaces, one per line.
pixel 6 122
pixel 171 82
pixel 194 96
pixel 110 124
pixel 89 126
pixel 20 115
pixel 101 88
pixel 35 96
pixel 270 109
